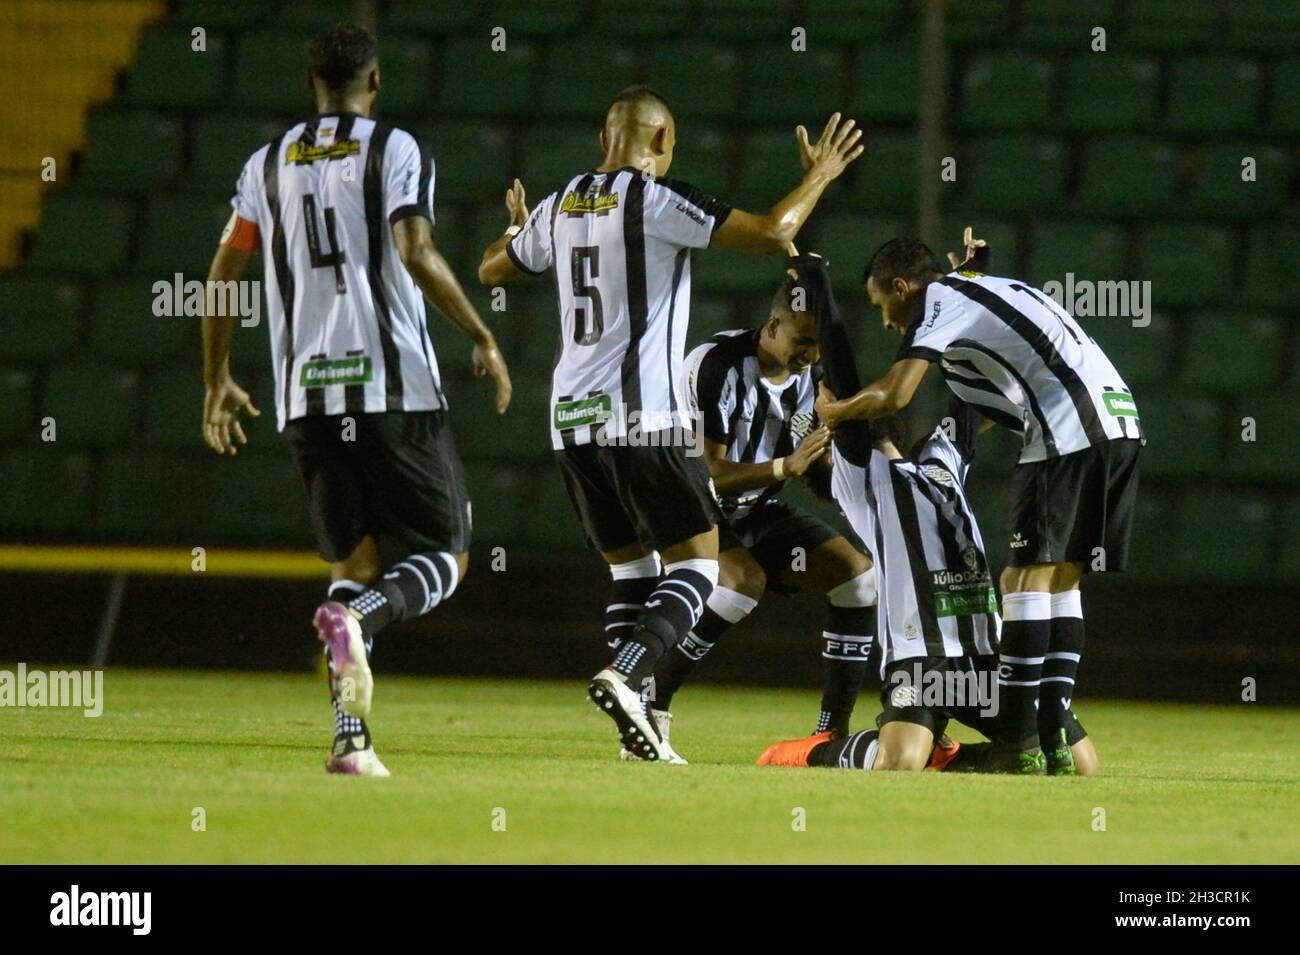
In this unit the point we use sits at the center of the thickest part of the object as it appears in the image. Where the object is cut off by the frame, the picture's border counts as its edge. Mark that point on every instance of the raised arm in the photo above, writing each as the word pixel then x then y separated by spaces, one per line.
pixel 413 236
pixel 823 161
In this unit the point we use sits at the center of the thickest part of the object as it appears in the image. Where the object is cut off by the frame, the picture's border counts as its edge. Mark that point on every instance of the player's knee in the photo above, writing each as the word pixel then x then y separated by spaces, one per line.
pixel 901 757
pixel 858 591
pixel 743 576
pixel 462 563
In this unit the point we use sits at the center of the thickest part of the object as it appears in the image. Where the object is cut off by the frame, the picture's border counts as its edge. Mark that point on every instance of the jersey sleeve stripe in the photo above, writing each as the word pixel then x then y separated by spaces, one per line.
pixel 518 262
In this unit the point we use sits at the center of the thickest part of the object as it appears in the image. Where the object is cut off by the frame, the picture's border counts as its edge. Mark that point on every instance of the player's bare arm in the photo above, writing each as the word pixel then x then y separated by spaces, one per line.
pixel 496 267
pixel 224 401
pixel 430 271
pixel 823 162
pixel 733 477
pixel 886 396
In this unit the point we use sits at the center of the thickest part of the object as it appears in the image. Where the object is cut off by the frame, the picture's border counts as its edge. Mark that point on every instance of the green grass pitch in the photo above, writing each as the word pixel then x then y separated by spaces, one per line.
pixel 1181 784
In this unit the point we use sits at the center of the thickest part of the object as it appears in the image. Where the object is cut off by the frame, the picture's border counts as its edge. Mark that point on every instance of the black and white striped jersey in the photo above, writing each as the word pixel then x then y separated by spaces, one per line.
pixel 347 322
pixel 936 593
pixel 619 244
pixel 1024 362
pixel 735 405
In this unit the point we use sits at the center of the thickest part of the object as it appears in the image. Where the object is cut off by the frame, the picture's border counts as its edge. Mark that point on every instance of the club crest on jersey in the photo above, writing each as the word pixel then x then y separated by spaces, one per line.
pixel 594 203
pixel 303 154
pixel 800 425
pixel 937 474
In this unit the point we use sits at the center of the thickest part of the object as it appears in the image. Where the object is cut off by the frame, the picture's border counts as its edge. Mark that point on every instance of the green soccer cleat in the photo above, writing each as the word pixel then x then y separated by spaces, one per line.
pixel 1060 759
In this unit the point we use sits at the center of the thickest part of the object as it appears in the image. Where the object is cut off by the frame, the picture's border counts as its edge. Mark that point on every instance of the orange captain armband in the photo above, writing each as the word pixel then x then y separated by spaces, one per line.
pixel 241 234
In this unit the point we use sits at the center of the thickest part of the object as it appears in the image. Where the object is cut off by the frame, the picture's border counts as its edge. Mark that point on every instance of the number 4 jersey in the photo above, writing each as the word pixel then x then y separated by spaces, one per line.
pixel 619 243
pixel 347 322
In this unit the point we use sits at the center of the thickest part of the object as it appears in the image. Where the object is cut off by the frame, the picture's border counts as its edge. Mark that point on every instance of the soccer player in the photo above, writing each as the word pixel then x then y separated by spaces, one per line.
pixel 1022 360
pixel 618 239
pixel 342 206
pixel 938 620
pixel 751 393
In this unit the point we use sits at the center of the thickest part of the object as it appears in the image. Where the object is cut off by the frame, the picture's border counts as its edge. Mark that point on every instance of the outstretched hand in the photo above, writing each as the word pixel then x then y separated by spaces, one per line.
pixel 837 147
pixel 972 245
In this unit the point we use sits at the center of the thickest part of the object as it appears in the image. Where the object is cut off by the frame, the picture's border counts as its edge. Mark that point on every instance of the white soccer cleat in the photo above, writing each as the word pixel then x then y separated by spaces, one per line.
pixel 359 762
pixel 627 709
pixel 664 722
pixel 341 634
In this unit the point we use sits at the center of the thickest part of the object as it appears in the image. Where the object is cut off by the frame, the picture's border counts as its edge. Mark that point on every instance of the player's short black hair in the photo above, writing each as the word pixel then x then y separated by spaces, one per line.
pixel 637 93
pixel 909 259
pixel 338 55
pixel 781 304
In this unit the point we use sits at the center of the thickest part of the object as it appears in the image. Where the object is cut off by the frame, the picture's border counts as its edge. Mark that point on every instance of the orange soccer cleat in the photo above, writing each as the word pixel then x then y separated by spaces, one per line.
pixel 792 752
pixel 945 748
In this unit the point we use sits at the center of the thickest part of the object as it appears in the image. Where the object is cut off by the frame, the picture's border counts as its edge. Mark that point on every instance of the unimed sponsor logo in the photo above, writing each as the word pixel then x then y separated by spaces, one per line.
pixel 321 372
pixel 74 907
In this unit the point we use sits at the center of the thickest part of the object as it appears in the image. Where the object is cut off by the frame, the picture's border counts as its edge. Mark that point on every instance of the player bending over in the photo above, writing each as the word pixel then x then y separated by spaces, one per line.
pixel 619 240
pixel 342 206
pixel 751 393
pixel 938 621
pixel 1025 363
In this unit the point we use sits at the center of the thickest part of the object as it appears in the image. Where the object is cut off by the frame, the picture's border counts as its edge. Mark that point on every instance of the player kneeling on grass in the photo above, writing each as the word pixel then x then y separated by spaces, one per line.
pixel 938 621
pixel 751 394
pixel 345 206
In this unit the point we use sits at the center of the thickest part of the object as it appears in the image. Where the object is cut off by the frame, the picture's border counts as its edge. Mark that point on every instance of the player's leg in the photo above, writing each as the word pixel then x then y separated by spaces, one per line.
pixel 741 583
pixel 840 573
pixel 1026 634
pixel 349 577
pixel 1058 727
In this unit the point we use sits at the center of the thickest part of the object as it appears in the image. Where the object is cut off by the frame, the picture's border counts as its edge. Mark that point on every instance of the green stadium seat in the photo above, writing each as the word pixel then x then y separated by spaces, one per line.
pixel 1169 25
pixel 1224 535
pixel 581 79
pixel 40 317
pixel 498 497
pixel 1283 115
pixel 1109 93
pixel 93 405
pixel 471 161
pixel 1064 24
pixel 710 314
pixel 148 495
pixel 419 16
pixel 1213 95
pixel 1186 265
pixel 220 14
pixel 552 155
pixel 46 490
pixel 977 23
pixel 541 18
pixel 637 20
pixel 408 74
pixel 515 73
pixel 270 74
pixel 851 21
pixel 727 270
pixel 1127 177
pixel 701 160
pixel 1220 190
pixel 135 151
pixel 125 331
pixel 453 350
pixel 1007 91
pixel 885 82
pixel 174 412
pixel 1012 174
pixel 1233 353
pixel 1156 521
pixel 1264 25
pixel 250 348
pixel 555 523
pixel 315 14
pixel 170 73
pixel 738 21
pixel 81 233
pixel 1272 280
pixel 697 79
pixel 847 242
pixel 17 405
pixel 769 167
pixel 1185 432
pixel 181 233
pixel 785 86
pixel 482 434
pixel 1088 250
pixel 1142 354
pixel 885 175
pixel 1274 453
pixel 253 499
pixel 222 144
pixel 1289 565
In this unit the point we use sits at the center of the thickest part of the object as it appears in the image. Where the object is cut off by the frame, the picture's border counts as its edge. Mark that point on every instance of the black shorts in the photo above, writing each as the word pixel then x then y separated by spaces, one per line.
pixel 1064 509
pixel 928 691
pixel 770 532
pixel 624 494
pixel 399 480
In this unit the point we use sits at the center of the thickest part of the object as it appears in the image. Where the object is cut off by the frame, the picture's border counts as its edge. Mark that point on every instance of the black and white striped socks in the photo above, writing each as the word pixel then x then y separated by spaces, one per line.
pixel 410 589
pixel 846 649
pixel 1061 664
pixel 631 585
pixel 723 610
pixel 345 725
pixel 1026 632
pixel 674 607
